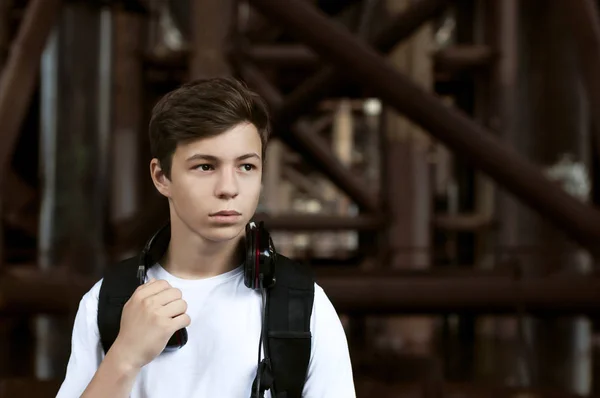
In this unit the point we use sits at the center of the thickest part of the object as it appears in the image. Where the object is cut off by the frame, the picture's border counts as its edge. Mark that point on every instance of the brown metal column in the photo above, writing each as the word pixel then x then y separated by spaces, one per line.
pixel 128 131
pixel 210 25
pixel 500 336
pixel 407 185
pixel 6 325
pixel 584 21
pixel 75 91
pixel 552 128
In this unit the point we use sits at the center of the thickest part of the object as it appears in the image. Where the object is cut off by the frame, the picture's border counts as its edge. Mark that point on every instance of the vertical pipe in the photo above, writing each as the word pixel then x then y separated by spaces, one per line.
pixel 75 120
pixel 127 109
pixel 48 178
pixel 553 111
pixel 409 195
pixel 105 84
pixel 210 27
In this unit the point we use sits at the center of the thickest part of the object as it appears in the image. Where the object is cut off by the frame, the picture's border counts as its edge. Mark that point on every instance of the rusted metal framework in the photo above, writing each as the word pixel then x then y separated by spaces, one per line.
pixel 336 58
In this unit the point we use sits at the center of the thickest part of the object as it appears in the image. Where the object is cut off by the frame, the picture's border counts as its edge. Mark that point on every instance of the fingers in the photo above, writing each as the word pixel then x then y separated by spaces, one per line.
pixel 180 322
pixel 151 288
pixel 166 296
pixel 173 309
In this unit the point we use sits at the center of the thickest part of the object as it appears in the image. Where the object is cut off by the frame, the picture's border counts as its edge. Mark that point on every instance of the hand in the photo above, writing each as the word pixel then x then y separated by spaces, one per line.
pixel 150 317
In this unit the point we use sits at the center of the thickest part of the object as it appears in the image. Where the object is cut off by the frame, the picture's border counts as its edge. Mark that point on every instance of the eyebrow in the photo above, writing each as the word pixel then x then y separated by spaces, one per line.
pixel 211 158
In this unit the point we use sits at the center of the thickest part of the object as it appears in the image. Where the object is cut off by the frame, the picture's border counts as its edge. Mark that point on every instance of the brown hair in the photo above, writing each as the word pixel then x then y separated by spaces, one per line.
pixel 204 108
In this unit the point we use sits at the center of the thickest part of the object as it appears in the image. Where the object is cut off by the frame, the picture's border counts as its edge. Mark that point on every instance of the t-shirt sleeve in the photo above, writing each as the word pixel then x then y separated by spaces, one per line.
pixel 86 350
pixel 330 369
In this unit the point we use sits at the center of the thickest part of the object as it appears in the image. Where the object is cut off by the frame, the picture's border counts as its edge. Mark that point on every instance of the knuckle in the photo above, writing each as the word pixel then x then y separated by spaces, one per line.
pixel 164 284
pixel 147 302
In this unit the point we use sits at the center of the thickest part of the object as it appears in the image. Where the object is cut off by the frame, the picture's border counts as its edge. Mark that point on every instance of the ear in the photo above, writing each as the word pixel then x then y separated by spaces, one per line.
pixel 160 180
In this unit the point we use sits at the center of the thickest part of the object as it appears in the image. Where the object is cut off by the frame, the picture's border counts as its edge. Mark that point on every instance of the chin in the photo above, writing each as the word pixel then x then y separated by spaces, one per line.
pixel 223 233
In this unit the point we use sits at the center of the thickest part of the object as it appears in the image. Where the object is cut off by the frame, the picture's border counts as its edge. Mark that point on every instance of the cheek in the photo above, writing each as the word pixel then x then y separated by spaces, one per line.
pixel 251 190
pixel 189 192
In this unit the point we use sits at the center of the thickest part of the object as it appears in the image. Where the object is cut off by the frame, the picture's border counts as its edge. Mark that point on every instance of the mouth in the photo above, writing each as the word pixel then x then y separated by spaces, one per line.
pixel 226 213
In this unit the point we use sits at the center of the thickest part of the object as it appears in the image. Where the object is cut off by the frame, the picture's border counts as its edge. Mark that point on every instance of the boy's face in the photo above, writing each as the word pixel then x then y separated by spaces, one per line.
pixel 211 175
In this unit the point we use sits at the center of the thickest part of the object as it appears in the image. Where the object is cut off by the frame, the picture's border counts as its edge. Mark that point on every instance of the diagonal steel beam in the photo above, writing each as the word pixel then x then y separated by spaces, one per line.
pixel 329 79
pixel 452 127
pixel 300 137
pixel 18 77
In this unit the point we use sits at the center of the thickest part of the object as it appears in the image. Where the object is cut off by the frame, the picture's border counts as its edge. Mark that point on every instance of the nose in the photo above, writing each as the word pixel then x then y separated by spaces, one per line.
pixel 227 186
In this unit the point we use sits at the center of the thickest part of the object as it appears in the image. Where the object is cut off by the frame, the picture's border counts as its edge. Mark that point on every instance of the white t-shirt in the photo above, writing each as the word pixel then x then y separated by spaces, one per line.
pixel 220 358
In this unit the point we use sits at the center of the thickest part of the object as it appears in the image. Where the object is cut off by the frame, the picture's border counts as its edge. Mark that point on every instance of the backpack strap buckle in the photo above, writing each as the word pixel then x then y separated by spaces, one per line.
pixel 263 380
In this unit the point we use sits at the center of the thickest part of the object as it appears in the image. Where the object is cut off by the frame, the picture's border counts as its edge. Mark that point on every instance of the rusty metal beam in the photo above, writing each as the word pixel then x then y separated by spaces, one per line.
pixel 301 138
pixel 452 127
pixel 464 222
pixel 584 22
pixel 317 222
pixel 331 78
pixel 29 387
pixel 282 55
pixel 18 77
pixel 451 294
pixel 460 57
pixel 19 203
pixel 25 289
pixel 5 19
pixel 302 182
pixel 457 57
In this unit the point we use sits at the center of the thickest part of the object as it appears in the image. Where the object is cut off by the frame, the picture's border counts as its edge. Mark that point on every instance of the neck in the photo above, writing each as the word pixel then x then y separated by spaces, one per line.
pixel 190 256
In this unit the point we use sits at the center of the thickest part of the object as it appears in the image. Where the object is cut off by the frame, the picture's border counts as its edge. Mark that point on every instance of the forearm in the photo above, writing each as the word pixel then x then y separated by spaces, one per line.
pixel 114 378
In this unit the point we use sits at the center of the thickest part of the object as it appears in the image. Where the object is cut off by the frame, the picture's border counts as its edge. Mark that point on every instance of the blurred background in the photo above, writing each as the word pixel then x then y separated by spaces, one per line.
pixel 435 162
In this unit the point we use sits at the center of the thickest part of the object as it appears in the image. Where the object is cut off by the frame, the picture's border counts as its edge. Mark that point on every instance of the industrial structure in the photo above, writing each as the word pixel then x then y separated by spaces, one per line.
pixel 436 162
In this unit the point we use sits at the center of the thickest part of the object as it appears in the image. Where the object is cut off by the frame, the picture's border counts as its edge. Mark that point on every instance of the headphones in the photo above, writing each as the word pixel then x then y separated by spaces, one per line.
pixel 259 267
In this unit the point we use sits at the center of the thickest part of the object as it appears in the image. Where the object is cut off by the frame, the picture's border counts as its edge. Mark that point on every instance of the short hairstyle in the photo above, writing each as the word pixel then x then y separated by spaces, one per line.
pixel 204 108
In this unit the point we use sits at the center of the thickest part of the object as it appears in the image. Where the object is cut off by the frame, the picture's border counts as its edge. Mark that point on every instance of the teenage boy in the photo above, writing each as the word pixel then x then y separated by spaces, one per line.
pixel 208 140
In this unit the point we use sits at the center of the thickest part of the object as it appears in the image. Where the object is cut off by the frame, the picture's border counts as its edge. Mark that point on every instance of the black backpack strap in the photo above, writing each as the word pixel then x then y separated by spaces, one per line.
pixel 289 309
pixel 118 285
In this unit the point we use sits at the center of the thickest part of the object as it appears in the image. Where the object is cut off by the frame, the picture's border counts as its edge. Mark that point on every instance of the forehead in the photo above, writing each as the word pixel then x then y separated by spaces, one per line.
pixel 237 141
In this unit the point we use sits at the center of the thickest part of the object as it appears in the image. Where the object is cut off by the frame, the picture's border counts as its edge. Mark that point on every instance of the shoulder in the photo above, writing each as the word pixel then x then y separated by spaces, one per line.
pixel 330 367
pixel 85 319
pixel 325 315
pixel 90 298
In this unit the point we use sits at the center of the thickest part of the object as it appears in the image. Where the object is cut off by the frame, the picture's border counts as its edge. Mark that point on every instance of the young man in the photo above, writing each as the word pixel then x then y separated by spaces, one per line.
pixel 208 141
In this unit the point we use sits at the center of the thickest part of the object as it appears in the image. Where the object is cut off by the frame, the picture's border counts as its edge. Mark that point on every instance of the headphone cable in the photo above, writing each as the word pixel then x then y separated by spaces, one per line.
pixel 262 334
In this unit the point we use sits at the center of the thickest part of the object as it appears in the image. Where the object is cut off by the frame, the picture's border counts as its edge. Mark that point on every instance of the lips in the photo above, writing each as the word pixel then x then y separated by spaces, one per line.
pixel 226 213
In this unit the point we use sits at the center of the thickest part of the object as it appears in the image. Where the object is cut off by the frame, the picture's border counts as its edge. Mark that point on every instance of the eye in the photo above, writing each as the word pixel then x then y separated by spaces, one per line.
pixel 248 167
pixel 204 167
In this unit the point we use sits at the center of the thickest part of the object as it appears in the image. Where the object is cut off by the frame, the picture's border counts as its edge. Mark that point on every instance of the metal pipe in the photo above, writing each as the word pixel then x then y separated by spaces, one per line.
pixel 453 128
pixel 18 77
pixel 25 289
pixel 302 138
pixel 312 222
pixel 331 78
pixel 452 294
pixel 584 22
pixel 281 55
pixel 461 57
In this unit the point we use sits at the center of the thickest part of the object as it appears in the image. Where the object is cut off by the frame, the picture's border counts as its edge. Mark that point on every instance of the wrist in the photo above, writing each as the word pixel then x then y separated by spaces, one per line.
pixel 121 362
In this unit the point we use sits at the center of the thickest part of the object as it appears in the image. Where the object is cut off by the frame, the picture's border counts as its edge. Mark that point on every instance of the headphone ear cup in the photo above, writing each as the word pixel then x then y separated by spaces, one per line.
pixel 250 263
pixel 267 258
